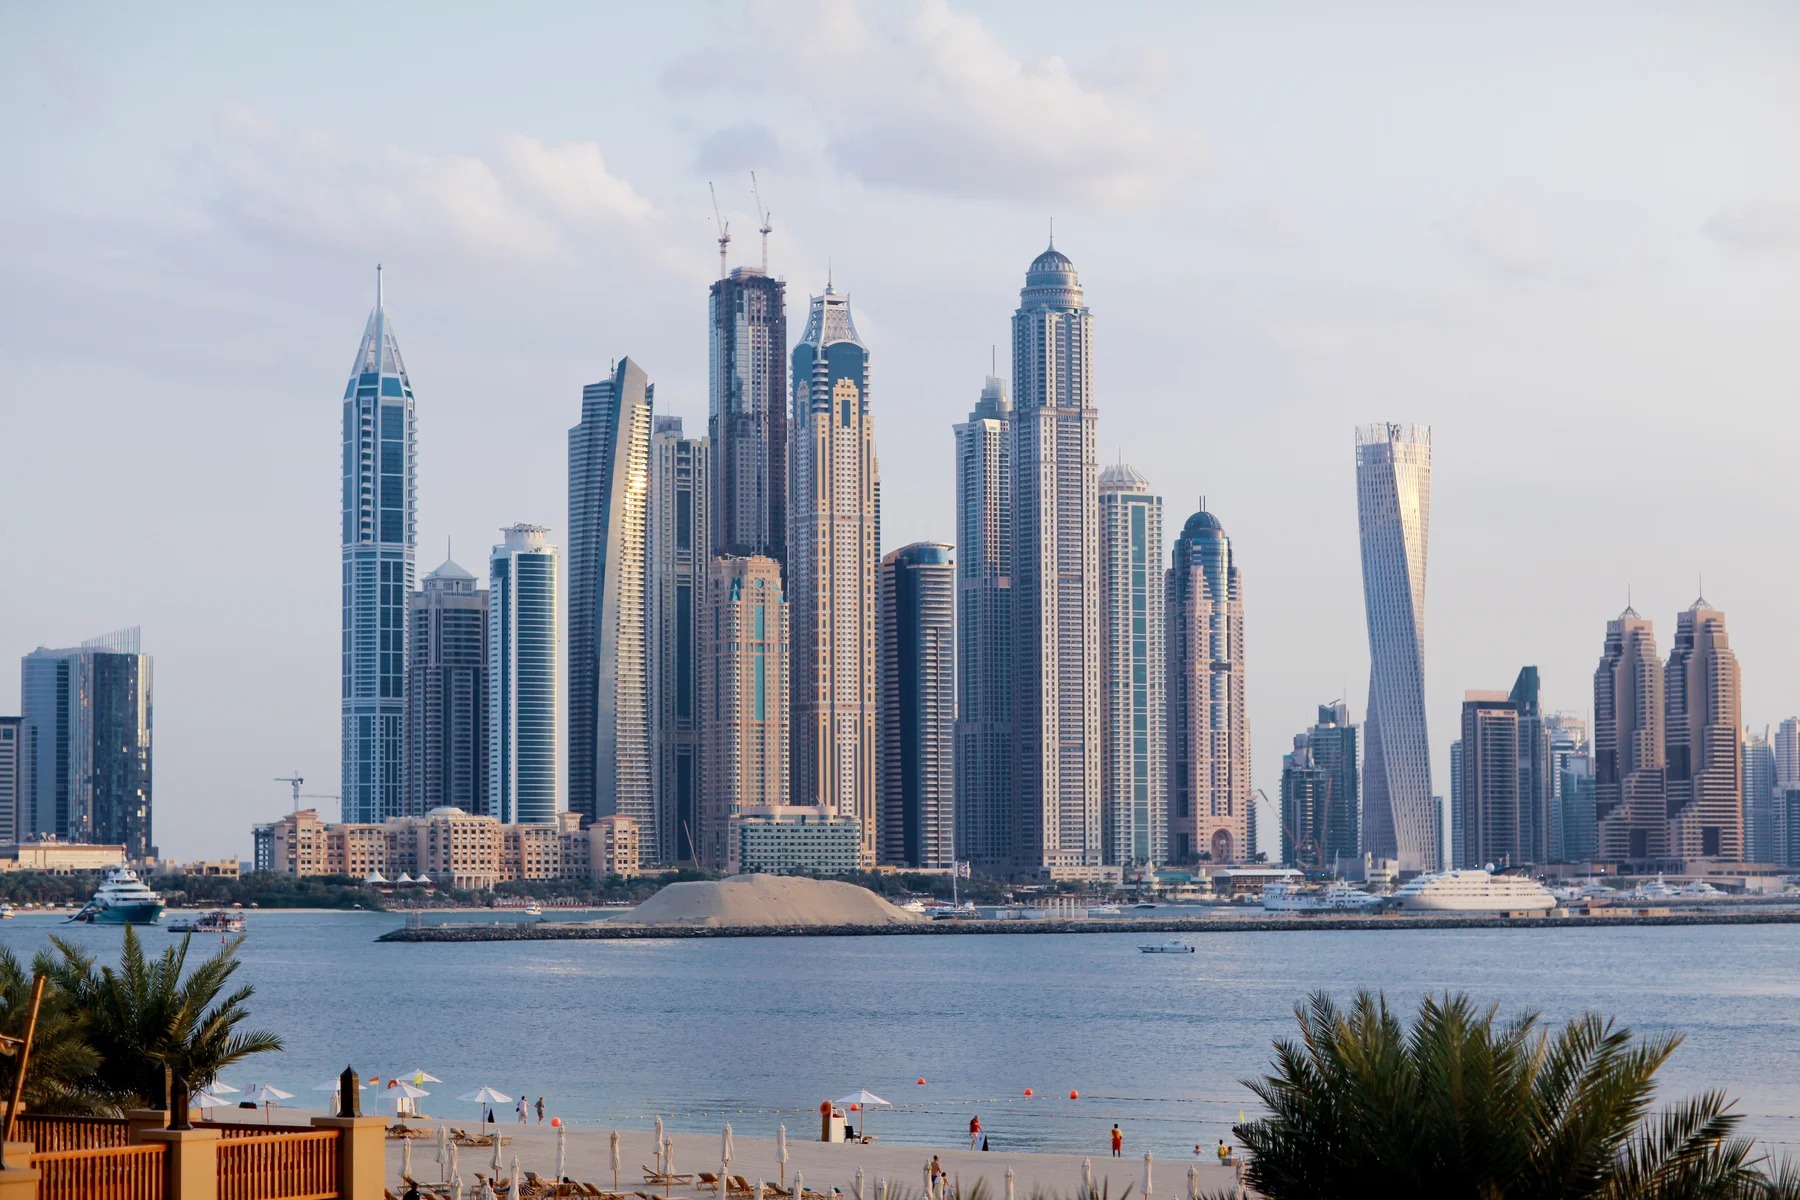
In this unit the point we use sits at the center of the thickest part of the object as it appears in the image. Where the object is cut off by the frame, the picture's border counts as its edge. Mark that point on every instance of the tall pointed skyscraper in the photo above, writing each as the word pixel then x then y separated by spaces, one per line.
pixel 984 632
pixel 1056 575
pixel 609 605
pixel 1630 812
pixel 831 569
pixel 1393 508
pixel 377 584
pixel 747 422
pixel 1704 726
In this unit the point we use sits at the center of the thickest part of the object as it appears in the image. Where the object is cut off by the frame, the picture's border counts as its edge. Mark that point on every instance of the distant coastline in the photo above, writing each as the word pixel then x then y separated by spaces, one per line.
pixel 618 931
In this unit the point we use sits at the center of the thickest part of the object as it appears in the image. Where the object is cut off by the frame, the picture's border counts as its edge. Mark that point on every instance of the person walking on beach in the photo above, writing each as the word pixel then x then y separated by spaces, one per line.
pixel 520 1108
pixel 1118 1140
pixel 974 1132
pixel 937 1176
pixel 540 1108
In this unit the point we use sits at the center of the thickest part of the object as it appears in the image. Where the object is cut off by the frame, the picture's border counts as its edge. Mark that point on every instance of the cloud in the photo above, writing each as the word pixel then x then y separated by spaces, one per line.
pixel 1756 229
pixel 1506 236
pixel 528 200
pixel 934 102
pixel 744 147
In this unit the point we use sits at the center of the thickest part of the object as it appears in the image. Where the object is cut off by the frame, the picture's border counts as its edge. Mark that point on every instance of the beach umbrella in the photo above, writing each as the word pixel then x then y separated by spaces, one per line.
pixel 781 1155
pixel 800 1184
pixel 725 1156
pixel 930 1183
pixel 418 1077
pixel 453 1160
pixel 401 1096
pixel 405 1158
pixel 660 1168
pixel 867 1099
pixel 205 1101
pixel 456 1187
pixel 668 1162
pixel 485 1096
pixel 1193 1183
pixel 496 1162
pixel 487 1190
pixel 263 1094
pixel 1087 1176
pixel 859 1185
pixel 881 1189
pixel 1009 1184
pixel 615 1158
pixel 1146 1173
pixel 562 1155
pixel 330 1085
pixel 443 1152
pixel 513 1189
pixel 759 1195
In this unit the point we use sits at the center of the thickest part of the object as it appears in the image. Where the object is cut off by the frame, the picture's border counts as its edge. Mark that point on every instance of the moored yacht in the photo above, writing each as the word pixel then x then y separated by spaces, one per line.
pixel 121 899
pixel 1335 896
pixel 1473 891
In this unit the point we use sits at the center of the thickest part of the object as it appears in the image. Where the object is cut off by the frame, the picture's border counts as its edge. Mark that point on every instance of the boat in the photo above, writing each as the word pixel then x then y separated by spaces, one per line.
pixel 217 921
pixel 1700 887
pixel 1169 947
pixel 1104 910
pixel 534 910
pixel 1143 904
pixel 121 899
pixel 6 912
pixel 1654 890
pixel 1335 896
pixel 1473 891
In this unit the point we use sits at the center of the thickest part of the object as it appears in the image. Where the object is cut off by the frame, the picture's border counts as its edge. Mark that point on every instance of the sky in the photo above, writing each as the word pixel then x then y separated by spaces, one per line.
pixel 1566 237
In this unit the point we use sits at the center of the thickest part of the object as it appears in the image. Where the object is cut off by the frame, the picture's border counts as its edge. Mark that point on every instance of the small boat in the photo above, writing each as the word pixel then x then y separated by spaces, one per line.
pixel 534 910
pixel 121 899
pixel 1104 910
pixel 6 912
pixel 218 921
pixel 1143 904
pixel 1169 947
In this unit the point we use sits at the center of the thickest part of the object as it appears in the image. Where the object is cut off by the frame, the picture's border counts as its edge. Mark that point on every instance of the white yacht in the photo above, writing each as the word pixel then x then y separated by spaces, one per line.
pixel 1473 891
pixel 1699 887
pixel 1335 896
pixel 1653 890
pixel 122 899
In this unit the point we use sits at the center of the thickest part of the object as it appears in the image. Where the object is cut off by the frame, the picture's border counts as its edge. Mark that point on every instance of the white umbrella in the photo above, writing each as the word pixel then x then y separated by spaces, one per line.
pixel 881 1189
pixel 443 1152
pixel 205 1101
pixel 329 1086
pixel 485 1096
pixel 930 1183
pixel 453 1160
pixel 725 1156
pixel 405 1159
pixel 219 1087
pixel 865 1098
pixel 759 1194
pixel 781 1155
pixel 401 1096
pixel 615 1158
pixel 1009 1184
pixel 263 1094
pixel 417 1077
pixel 660 1168
pixel 1193 1183
pixel 1087 1176
pixel 495 1163
pixel 487 1190
pixel 456 1187
pixel 513 1189
pixel 859 1185
pixel 562 1152
pixel 668 1162
pixel 800 1184
pixel 1147 1173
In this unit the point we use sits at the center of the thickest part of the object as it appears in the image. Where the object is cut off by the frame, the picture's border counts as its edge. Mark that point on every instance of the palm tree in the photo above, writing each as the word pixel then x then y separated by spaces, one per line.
pixel 149 1023
pixel 1461 1105
pixel 62 1062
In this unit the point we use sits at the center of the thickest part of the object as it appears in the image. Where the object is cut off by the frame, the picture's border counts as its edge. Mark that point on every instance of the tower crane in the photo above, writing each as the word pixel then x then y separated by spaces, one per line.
pixel 724 228
pixel 295 781
pixel 762 215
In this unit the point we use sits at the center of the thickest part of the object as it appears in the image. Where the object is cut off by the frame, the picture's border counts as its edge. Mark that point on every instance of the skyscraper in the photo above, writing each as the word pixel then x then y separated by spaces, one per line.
pixel 915 651
pixel 1134 782
pixel 378 499
pixel 609 605
pixel 1576 783
pixel 11 776
pixel 1535 770
pixel 831 569
pixel 1703 721
pixel 743 698
pixel 984 632
pixel 1760 841
pixel 1393 508
pixel 1490 804
pixel 680 546
pixel 86 736
pixel 522 695
pixel 1209 725
pixel 1056 575
pixel 447 694
pixel 1319 825
pixel 1787 780
pixel 1567 737
pixel 747 422
pixel 1628 743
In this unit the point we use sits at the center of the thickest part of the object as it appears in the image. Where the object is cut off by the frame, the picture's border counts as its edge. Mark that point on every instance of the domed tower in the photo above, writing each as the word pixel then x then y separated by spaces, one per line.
pixel 1056 575
pixel 1209 730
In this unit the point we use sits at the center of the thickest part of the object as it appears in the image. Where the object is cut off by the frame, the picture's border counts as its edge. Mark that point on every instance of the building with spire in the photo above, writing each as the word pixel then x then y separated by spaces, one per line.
pixel 1134 828
pixel 379 493
pixel 1703 723
pixel 1629 810
pixel 1210 793
pixel 744 704
pixel 680 548
pixel 747 420
pixel 832 547
pixel 916 656
pixel 1393 507
pixel 985 819
pixel 610 769
pixel 447 695
pixel 1056 576
pixel 524 719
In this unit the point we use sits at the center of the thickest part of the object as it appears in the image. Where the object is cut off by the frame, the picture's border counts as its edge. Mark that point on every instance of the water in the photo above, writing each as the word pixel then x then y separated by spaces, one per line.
pixel 759 1030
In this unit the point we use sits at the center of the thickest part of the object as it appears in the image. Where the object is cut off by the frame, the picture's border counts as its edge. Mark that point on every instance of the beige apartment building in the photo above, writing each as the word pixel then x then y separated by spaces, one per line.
pixel 743 699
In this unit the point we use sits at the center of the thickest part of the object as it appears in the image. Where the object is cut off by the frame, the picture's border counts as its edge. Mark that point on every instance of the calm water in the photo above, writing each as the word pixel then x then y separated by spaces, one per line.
pixel 612 1033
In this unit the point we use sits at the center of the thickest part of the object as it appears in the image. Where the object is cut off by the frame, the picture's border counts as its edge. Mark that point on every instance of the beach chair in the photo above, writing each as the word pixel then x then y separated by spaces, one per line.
pixel 776 1190
pixel 706 1179
pixel 737 1185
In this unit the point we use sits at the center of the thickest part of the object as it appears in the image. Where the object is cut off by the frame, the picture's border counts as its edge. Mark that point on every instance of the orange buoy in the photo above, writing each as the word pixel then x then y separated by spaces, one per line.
pixel 1028 1091
pixel 921 1083
pixel 556 1122
pixel 856 1108
pixel 1074 1095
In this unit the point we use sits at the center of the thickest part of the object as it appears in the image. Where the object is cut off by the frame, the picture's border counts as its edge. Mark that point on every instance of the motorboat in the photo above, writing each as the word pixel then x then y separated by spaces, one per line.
pixel 1104 910
pixel 534 910
pixel 218 921
pixel 1700 887
pixel 1335 896
pixel 1653 890
pixel 1473 891
pixel 1172 946
pixel 121 899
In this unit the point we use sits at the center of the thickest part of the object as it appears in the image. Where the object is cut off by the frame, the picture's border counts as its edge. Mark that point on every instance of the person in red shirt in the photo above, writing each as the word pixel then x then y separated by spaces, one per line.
pixel 1118 1140
pixel 974 1132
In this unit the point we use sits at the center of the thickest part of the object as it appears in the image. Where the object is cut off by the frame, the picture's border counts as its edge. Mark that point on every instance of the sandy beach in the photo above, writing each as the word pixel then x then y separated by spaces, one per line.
pixel 824 1166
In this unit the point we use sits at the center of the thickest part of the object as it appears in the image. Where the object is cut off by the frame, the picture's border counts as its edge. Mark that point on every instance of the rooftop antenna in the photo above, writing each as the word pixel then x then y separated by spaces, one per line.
pixel 828 272
pixel 377 285
pixel 763 214
pixel 993 359
pixel 724 227
pixel 1053 233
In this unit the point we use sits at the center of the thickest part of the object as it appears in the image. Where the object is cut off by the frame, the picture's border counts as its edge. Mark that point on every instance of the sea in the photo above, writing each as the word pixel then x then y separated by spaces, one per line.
pixel 760 1031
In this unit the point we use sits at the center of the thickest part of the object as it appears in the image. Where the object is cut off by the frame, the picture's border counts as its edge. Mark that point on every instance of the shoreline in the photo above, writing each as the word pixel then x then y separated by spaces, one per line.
pixel 559 931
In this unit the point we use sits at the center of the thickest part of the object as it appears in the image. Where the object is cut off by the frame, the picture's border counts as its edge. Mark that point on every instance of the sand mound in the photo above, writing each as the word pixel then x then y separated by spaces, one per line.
pixel 767 900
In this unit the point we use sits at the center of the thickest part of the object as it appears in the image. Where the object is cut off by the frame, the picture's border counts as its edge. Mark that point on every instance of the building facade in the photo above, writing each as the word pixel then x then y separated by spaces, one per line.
pixel 680 542
pixel 609 603
pixel 1787 779
pixel 832 550
pixel 1629 810
pixel 1703 722
pixel 11 777
pixel 985 818
pixel 1760 840
pixel 1134 829
pixel 744 699
pixel 1393 506
pixel 1055 575
pixel 747 420
pixel 1575 782
pixel 379 493
pixel 782 840
pixel 915 652
pixel 1210 791
pixel 1488 818
pixel 1566 736
pixel 1319 825
pixel 524 721
pixel 85 736
pixel 447 695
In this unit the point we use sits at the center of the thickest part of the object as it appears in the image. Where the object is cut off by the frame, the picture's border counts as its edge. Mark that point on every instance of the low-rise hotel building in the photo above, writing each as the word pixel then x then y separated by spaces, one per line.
pixel 780 839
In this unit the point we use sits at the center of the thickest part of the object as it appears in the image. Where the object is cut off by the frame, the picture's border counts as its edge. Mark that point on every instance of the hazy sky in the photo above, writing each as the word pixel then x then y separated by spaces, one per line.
pixel 1565 236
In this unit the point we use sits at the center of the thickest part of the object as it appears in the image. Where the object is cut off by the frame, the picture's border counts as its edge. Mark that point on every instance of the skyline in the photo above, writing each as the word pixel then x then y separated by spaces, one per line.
pixel 1279 352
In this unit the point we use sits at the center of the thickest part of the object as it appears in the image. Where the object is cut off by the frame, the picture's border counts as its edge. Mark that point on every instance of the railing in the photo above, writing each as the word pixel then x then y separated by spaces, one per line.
pixel 53 1134
pixel 243 1129
pixel 113 1173
pixel 279 1166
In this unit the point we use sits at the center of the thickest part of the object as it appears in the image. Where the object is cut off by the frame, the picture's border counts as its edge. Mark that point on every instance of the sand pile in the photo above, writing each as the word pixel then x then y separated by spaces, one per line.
pixel 767 900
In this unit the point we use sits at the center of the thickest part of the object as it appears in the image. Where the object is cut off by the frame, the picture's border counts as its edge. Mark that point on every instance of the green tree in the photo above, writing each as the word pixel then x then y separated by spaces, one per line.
pixel 62 1062
pixel 145 1017
pixel 1463 1105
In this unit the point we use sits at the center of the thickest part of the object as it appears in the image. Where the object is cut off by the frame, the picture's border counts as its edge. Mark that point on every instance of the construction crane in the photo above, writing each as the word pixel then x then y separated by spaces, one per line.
pixel 724 227
pixel 762 215
pixel 295 781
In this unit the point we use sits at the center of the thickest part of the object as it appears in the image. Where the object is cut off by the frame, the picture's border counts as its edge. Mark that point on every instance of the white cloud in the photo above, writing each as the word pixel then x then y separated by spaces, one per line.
pixel 935 102
pixel 1756 229
pixel 1505 235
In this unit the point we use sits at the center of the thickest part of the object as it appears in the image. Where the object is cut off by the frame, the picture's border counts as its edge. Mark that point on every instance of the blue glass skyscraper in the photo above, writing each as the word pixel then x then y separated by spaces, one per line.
pixel 379 494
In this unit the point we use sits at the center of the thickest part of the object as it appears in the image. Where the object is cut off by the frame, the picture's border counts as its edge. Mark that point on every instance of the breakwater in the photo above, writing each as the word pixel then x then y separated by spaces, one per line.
pixel 608 931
